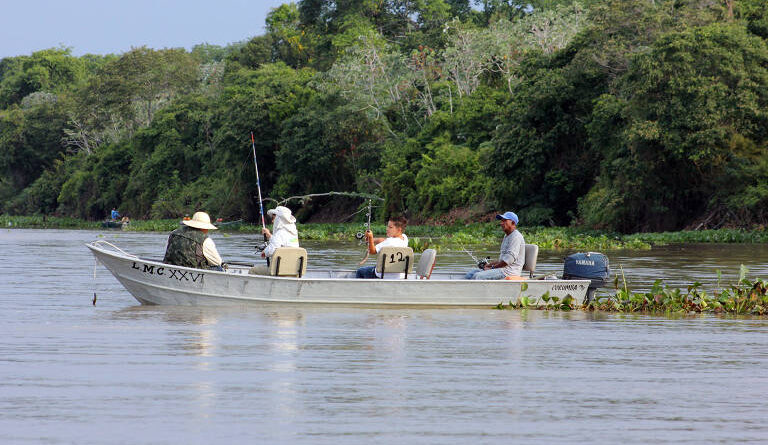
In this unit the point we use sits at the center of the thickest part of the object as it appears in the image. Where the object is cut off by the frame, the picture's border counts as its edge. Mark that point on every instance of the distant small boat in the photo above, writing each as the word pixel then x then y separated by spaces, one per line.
pixel 112 224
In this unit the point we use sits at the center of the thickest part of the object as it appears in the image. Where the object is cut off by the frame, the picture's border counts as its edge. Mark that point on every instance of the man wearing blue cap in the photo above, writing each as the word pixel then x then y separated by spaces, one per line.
pixel 510 264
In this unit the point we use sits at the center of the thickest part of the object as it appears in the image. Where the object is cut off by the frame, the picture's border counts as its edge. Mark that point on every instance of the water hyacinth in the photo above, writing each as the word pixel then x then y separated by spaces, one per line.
pixel 546 302
pixel 745 297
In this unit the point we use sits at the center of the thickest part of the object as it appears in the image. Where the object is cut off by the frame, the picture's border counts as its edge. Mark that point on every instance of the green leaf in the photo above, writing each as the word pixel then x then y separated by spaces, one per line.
pixel 743 273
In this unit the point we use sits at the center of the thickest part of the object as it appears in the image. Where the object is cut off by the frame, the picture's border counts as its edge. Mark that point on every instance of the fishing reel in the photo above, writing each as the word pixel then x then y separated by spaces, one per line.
pixel 260 246
pixel 484 262
pixel 361 234
pixel 366 225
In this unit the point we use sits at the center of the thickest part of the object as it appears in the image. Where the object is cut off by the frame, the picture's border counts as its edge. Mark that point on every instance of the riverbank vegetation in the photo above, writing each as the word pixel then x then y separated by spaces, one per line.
pixel 430 236
pixel 745 297
pixel 619 115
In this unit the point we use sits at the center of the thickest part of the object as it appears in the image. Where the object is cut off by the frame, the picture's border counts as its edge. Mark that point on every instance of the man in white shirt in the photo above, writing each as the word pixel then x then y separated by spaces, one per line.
pixel 190 246
pixel 395 238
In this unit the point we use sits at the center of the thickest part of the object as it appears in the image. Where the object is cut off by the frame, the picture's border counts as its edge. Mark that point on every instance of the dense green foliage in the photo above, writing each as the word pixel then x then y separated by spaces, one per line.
pixel 617 115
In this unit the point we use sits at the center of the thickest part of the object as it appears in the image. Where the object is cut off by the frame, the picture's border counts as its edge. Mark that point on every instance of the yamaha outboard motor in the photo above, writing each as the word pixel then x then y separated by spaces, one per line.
pixel 588 266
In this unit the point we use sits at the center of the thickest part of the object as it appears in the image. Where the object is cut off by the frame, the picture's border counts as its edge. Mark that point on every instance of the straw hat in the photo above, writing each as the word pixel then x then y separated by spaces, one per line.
pixel 200 220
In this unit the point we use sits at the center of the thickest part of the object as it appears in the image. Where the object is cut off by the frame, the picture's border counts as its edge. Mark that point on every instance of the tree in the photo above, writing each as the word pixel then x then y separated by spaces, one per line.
pixel 258 101
pixel 372 74
pixel 30 142
pixel 691 124
pixel 252 54
pixel 328 144
pixel 500 47
pixel 138 83
pixel 125 93
pixel 449 177
pixel 51 70
pixel 172 159
pixel 289 42
pixel 442 167
pixel 465 60
pixel 97 184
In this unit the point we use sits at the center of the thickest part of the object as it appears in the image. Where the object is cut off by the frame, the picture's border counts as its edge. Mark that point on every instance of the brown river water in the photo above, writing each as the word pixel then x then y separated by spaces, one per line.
pixel 120 373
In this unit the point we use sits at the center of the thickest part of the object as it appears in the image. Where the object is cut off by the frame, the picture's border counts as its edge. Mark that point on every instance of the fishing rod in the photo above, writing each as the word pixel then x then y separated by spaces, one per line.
pixel 258 184
pixel 367 225
pixel 480 263
pixel 261 203
pixel 360 235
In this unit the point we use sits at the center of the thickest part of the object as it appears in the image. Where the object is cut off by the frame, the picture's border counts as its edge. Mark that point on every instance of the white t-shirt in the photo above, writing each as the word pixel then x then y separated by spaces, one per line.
pixel 392 242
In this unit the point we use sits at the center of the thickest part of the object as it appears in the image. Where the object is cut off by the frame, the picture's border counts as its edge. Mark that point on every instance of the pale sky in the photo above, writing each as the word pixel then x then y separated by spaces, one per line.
pixel 114 26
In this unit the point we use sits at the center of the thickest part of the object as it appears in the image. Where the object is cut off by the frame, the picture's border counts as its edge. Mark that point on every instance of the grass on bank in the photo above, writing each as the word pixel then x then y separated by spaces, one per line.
pixel 438 237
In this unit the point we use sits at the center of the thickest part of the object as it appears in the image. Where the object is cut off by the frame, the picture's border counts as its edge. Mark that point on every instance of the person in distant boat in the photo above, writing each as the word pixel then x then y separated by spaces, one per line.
pixel 395 238
pixel 190 246
pixel 510 263
pixel 285 235
pixel 114 214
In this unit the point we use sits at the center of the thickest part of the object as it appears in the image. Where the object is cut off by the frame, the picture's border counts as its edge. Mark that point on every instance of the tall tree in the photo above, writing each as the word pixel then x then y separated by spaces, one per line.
pixel 51 70
pixel 687 130
pixel 142 80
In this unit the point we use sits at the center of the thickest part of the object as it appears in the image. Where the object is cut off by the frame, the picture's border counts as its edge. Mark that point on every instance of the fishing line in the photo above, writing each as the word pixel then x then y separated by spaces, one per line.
pixel 480 263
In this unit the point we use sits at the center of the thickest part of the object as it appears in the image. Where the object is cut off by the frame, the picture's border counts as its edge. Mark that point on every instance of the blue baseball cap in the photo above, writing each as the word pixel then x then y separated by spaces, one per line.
pixel 508 215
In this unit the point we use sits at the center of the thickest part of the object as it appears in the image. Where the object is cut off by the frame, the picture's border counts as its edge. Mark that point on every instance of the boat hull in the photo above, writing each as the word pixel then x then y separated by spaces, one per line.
pixel 113 224
pixel 152 282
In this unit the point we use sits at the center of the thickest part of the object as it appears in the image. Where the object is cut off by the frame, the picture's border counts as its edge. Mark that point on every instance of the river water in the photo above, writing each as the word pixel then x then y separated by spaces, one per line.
pixel 119 373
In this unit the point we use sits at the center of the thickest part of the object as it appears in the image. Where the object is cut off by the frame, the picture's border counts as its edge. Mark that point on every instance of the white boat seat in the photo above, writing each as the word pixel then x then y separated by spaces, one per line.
pixel 288 262
pixel 531 255
pixel 426 263
pixel 394 260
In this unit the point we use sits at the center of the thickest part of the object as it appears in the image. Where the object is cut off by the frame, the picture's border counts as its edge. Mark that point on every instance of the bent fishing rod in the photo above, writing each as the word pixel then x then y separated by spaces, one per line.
pixel 360 235
pixel 258 184
pixel 261 203
pixel 367 225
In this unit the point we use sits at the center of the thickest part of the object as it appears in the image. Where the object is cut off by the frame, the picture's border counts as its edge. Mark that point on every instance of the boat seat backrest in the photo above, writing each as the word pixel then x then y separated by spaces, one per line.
pixel 426 263
pixel 288 262
pixel 394 260
pixel 531 255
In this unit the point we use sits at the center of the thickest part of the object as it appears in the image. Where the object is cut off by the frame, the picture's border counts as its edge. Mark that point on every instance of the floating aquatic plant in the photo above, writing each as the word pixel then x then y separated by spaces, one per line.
pixel 745 297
